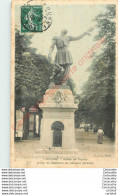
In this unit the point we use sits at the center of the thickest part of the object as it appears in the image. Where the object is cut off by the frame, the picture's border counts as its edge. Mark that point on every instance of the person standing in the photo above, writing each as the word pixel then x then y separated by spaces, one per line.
pixel 95 129
pixel 87 128
pixel 100 134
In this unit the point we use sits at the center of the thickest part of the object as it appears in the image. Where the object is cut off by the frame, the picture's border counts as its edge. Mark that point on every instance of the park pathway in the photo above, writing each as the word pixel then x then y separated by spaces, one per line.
pixel 86 142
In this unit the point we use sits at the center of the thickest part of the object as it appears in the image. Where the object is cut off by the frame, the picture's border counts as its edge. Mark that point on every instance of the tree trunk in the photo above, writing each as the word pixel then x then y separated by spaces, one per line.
pixel 108 128
pixel 34 124
pixel 26 123
pixel 40 117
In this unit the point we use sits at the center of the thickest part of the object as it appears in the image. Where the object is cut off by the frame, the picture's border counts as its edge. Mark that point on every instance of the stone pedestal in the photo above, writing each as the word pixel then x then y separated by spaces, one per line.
pixel 57 128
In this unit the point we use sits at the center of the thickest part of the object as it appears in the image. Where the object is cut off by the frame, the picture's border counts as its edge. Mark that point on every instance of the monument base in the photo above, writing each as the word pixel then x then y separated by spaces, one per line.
pixel 57 129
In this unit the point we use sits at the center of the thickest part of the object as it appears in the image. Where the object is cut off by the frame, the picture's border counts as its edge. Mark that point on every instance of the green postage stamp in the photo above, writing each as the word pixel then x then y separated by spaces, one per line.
pixel 31 18
pixel 35 18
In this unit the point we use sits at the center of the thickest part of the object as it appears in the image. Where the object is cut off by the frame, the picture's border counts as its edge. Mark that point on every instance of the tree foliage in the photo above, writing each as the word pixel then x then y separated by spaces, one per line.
pixel 97 101
pixel 32 75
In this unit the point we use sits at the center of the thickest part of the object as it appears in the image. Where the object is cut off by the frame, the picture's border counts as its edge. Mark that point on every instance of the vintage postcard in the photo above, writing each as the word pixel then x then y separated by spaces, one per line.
pixel 64 84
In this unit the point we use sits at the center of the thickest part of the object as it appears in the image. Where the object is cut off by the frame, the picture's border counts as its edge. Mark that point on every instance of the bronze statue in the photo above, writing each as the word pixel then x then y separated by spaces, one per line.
pixel 63 56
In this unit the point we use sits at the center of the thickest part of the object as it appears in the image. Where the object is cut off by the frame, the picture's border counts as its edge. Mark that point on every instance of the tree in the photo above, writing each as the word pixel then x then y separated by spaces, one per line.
pixel 97 101
pixel 32 76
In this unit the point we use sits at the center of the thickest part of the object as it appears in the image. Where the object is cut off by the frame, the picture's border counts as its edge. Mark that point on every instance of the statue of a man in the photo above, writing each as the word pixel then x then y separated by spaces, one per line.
pixel 63 56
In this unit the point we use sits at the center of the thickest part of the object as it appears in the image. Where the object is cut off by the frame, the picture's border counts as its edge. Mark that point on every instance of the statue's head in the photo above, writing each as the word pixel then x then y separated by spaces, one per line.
pixel 64 31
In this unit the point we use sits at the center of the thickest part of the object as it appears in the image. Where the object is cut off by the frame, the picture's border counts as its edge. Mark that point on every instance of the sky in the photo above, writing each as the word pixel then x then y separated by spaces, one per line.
pixel 77 19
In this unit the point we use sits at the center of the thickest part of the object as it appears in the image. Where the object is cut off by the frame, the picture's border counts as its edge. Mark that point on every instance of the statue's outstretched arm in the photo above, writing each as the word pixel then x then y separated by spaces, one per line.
pixel 80 36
